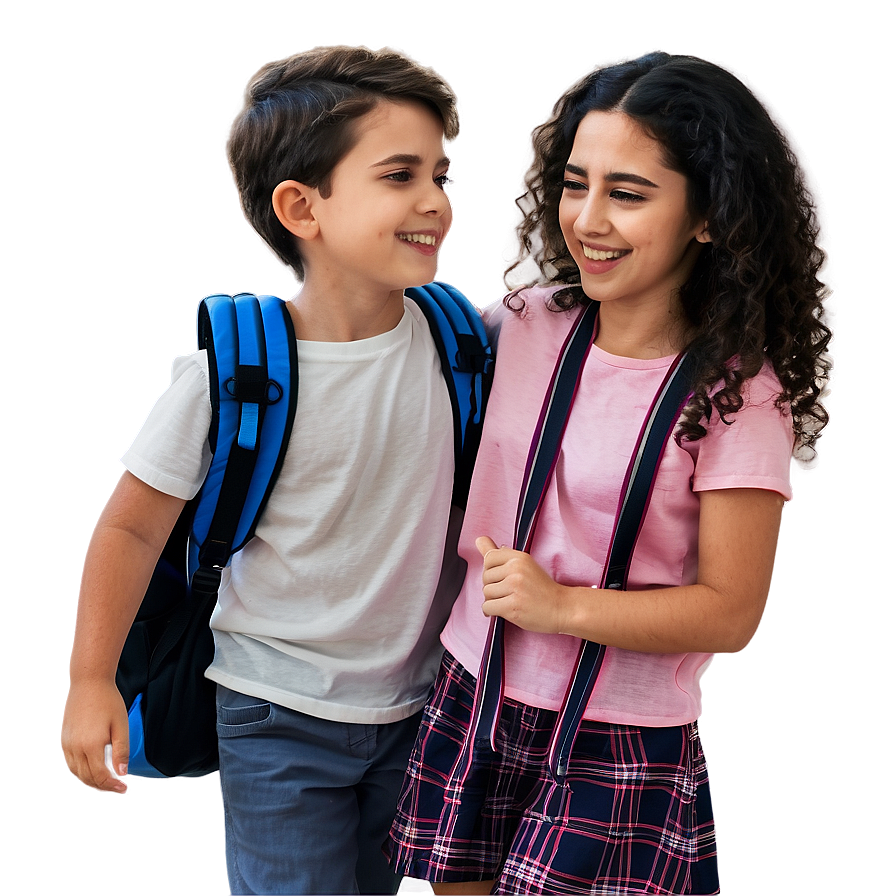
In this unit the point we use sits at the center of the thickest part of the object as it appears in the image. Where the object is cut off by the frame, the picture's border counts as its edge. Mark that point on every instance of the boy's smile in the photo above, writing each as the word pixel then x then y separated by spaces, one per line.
pixel 427 243
pixel 380 228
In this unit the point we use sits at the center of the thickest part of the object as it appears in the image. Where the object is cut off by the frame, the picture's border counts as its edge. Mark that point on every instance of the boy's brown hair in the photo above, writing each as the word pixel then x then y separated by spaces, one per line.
pixel 299 118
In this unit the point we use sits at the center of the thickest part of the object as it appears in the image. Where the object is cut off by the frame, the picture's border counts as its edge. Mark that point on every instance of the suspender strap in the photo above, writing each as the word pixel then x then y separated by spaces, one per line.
pixel 637 487
pixel 543 455
pixel 636 491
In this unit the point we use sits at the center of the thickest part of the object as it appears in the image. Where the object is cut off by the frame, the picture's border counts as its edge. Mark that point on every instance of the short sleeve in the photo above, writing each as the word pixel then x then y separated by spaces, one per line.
pixel 753 449
pixel 171 452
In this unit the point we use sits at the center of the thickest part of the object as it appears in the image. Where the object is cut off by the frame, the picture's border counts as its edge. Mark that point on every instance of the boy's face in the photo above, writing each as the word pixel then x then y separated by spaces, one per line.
pixel 387 213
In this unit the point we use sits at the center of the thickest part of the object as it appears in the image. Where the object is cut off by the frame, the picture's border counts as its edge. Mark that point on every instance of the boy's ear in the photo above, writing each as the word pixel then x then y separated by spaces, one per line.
pixel 292 202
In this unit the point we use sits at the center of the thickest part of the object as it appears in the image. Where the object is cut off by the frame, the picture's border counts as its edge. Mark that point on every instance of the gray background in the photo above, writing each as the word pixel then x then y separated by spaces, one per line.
pixel 120 214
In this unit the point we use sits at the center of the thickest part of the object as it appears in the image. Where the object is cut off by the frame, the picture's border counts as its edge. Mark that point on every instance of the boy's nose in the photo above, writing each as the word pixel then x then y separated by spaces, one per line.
pixel 435 201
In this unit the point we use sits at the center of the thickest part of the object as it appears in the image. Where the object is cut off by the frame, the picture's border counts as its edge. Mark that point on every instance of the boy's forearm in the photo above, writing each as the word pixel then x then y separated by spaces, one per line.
pixel 116 572
pixel 123 551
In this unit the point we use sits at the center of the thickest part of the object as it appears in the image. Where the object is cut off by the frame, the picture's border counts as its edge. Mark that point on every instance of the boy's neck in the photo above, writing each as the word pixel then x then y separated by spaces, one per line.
pixel 327 314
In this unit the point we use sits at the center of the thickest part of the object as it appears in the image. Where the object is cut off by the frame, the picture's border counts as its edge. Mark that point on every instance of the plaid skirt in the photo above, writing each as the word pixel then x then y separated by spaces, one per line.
pixel 634 815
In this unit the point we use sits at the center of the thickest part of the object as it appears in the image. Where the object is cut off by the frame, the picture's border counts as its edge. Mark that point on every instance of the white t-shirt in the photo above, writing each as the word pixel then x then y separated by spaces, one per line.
pixel 335 607
pixel 574 528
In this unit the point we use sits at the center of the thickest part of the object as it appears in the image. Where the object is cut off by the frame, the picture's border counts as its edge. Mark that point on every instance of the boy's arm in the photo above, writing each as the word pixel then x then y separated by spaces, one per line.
pixel 127 541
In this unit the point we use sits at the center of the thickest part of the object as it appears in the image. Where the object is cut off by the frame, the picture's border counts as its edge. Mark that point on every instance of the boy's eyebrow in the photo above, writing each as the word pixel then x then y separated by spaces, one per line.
pixel 615 177
pixel 405 158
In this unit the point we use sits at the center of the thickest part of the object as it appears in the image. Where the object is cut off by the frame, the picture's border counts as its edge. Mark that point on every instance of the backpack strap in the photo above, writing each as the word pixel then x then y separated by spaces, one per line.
pixel 467 363
pixel 253 378
pixel 636 491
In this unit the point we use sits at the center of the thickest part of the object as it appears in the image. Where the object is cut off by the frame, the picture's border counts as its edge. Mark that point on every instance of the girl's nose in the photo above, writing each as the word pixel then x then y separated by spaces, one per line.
pixel 593 218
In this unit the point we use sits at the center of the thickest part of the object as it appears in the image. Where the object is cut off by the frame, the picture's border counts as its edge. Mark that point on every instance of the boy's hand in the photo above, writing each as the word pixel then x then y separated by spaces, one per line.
pixel 95 715
pixel 517 588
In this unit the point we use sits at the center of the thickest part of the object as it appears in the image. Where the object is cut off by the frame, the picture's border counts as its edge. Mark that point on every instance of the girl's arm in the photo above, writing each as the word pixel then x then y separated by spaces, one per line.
pixel 719 614
pixel 123 552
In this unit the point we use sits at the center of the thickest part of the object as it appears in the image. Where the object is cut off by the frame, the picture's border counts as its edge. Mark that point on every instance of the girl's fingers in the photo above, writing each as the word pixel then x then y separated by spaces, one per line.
pixel 500 564
pixel 493 557
pixel 488 549
pixel 495 590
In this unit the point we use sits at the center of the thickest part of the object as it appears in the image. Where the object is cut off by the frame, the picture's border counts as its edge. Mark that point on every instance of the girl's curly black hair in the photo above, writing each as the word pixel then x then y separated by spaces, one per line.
pixel 754 293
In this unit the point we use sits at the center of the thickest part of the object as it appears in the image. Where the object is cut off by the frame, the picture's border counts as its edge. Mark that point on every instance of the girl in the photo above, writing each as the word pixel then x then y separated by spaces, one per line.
pixel 662 190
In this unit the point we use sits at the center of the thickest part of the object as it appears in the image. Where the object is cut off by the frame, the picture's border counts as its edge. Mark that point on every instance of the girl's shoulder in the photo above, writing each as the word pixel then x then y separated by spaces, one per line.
pixel 524 309
pixel 763 388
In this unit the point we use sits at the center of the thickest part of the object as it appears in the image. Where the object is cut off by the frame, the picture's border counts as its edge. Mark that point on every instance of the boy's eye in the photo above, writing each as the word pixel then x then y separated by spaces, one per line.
pixel 625 196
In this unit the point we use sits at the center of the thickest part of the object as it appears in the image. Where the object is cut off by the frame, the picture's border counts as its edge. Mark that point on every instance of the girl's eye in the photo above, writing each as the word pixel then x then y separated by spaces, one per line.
pixel 625 196
pixel 574 186
pixel 401 177
pixel 441 180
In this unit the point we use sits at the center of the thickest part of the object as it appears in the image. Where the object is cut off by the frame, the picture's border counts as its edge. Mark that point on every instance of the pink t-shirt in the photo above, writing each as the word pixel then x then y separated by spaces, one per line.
pixel 575 525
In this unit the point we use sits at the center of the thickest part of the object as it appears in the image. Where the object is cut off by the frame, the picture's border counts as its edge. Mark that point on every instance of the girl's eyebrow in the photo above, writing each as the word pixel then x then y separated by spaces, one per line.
pixel 403 158
pixel 615 177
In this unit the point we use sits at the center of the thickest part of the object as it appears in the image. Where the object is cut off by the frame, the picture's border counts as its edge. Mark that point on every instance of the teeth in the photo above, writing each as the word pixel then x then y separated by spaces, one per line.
pixel 596 255
pixel 424 238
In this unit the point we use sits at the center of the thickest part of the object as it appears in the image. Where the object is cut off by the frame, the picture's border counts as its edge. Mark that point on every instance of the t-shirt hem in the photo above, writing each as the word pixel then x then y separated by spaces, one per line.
pixel 592 714
pixel 767 483
pixel 321 709
pixel 458 653
pixel 598 714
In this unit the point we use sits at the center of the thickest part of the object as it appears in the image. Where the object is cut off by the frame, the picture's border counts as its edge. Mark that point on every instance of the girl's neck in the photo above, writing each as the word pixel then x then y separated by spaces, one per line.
pixel 639 333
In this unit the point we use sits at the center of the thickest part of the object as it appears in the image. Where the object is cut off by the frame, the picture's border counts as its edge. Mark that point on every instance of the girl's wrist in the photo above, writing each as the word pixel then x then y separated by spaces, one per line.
pixel 573 602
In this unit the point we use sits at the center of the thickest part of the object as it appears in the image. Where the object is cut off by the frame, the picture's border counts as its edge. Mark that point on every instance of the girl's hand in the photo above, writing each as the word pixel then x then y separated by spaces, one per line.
pixel 518 589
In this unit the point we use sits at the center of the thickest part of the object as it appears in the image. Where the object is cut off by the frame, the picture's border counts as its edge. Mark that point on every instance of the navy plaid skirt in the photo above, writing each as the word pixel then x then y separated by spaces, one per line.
pixel 634 815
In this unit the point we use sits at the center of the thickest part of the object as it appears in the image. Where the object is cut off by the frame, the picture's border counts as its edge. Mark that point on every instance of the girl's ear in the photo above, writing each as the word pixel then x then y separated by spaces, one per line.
pixel 292 202
pixel 703 236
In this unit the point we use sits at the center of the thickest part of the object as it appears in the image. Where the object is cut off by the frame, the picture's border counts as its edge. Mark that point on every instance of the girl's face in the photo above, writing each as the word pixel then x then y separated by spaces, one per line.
pixel 625 215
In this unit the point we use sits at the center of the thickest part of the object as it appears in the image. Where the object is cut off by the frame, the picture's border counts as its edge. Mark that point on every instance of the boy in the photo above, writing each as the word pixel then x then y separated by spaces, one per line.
pixel 326 629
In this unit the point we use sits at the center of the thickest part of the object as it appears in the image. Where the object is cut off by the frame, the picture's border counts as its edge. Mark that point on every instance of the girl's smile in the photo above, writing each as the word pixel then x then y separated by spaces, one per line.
pixel 600 259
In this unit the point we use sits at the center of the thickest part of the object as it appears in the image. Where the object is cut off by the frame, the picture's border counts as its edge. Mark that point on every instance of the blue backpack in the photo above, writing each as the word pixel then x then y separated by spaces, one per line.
pixel 254 377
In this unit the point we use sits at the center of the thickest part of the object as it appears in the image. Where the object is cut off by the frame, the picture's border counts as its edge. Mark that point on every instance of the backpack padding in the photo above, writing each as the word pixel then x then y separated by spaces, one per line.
pixel 231 469
pixel 252 356
pixel 281 394
pixel 467 361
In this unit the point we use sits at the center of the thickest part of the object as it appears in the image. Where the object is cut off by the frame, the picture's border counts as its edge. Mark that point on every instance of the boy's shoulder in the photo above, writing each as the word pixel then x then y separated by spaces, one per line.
pixel 187 374
pixel 413 308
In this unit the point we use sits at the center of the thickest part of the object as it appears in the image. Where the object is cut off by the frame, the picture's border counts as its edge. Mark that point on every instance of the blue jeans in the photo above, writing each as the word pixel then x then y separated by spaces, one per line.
pixel 307 802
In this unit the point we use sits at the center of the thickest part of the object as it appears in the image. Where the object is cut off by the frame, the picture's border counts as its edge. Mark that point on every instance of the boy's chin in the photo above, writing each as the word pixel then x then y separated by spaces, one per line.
pixel 421 280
